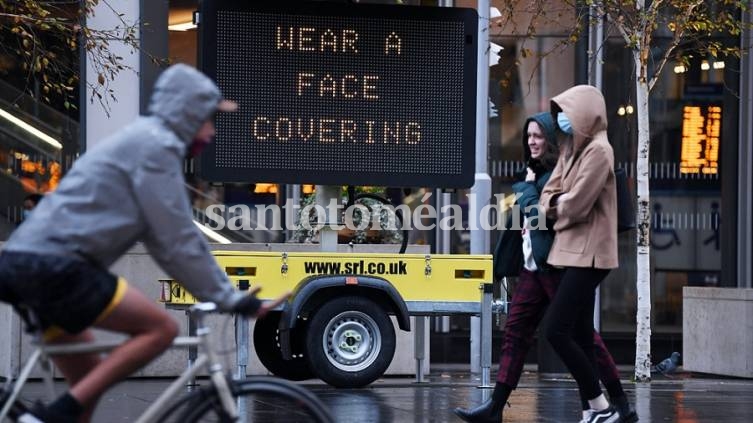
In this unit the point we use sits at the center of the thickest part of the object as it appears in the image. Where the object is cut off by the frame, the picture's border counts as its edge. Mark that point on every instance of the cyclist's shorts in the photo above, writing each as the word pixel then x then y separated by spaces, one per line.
pixel 65 294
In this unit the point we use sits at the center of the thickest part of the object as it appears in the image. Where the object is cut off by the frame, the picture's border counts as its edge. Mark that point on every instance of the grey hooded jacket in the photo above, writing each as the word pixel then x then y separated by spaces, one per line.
pixel 130 188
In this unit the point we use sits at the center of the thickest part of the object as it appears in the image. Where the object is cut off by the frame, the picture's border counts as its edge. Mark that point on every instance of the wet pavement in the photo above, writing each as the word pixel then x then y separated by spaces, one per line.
pixel 685 398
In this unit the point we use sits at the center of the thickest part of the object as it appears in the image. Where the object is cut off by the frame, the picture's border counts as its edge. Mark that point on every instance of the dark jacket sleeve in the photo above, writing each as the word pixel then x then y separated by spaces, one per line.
pixel 528 194
pixel 508 254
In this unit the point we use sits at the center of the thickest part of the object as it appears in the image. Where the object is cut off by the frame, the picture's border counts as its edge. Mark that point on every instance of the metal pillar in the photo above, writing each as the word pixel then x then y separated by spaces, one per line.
pixel 241 337
pixel 192 350
pixel 487 291
pixel 241 345
pixel 482 187
pixel 745 161
pixel 154 41
pixel 419 347
pixel 596 78
pixel 442 323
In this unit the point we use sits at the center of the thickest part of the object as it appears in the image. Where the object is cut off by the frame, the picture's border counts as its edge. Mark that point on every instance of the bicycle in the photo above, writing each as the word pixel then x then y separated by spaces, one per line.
pixel 257 398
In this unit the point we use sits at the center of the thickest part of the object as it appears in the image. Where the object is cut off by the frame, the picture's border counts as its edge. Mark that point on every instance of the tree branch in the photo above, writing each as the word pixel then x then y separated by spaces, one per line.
pixel 677 38
pixel 620 28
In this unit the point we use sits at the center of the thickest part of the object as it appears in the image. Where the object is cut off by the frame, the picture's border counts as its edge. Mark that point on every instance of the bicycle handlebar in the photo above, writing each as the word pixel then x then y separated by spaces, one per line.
pixel 207 307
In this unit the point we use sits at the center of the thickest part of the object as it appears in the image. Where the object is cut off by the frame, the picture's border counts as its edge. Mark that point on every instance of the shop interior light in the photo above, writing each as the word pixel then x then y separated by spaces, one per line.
pixel 621 111
pixel 680 69
pixel 30 129
pixel 705 65
pixel 629 109
pixel 262 188
pixel 183 26
pixel 214 236
pixel 718 65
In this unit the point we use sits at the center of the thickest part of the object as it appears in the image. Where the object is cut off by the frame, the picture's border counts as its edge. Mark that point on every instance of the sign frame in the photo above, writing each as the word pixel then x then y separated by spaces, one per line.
pixel 208 57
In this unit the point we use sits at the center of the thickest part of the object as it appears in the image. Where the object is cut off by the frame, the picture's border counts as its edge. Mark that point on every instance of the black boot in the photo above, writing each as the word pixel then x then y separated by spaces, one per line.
pixel 488 412
pixel 491 410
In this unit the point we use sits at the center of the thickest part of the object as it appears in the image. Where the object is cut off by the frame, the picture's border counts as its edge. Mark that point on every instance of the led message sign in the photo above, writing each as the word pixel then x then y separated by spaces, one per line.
pixel 340 94
pixel 701 130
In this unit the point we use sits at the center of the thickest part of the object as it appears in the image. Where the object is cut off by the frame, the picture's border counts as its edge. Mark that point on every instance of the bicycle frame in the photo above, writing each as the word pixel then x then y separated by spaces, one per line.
pixel 207 358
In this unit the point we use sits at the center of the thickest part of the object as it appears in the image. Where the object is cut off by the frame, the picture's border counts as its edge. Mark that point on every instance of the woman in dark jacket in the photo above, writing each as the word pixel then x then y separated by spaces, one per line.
pixel 523 252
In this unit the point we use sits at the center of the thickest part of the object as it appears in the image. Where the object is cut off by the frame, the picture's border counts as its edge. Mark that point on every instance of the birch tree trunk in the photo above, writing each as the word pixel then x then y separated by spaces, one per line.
pixel 643 280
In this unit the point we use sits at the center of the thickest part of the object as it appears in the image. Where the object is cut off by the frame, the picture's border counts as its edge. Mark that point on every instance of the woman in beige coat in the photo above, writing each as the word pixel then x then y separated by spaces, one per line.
pixel 581 198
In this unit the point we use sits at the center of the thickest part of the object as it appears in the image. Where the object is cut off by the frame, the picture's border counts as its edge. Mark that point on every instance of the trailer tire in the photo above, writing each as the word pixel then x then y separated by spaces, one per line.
pixel 350 342
pixel 267 346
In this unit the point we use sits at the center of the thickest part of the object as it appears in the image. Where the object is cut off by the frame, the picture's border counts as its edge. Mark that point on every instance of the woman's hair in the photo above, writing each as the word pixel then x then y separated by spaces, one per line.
pixel 550 155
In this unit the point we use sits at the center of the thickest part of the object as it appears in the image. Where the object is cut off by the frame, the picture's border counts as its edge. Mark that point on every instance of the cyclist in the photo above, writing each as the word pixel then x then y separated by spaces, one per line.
pixel 129 188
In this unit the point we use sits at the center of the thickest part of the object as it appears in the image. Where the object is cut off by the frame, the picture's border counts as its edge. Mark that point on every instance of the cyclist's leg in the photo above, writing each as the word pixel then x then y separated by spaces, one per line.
pixel 75 367
pixel 67 296
pixel 152 331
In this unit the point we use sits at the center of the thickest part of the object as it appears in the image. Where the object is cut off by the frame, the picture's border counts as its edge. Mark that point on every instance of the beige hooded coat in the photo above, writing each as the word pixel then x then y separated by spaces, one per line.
pixel 581 193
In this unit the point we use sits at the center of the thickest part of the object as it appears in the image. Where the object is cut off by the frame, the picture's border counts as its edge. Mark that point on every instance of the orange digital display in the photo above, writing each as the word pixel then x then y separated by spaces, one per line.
pixel 701 129
pixel 333 94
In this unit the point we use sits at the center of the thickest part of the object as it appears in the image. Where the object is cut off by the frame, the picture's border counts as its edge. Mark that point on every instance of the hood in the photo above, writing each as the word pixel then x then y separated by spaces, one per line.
pixel 547 125
pixel 585 107
pixel 184 98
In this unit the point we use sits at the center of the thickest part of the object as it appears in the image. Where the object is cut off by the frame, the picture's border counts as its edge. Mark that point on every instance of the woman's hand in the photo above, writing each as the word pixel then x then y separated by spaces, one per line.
pixel 562 197
pixel 530 175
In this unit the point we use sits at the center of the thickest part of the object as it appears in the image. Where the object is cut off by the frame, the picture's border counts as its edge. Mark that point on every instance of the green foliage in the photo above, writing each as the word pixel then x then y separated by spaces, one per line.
pixel 44 39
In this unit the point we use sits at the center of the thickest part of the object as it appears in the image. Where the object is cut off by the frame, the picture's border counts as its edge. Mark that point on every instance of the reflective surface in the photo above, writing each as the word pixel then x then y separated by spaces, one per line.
pixel 684 399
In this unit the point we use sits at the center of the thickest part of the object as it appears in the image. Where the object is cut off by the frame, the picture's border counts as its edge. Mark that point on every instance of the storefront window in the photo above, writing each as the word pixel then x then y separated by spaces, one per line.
pixel 38 144
pixel 692 119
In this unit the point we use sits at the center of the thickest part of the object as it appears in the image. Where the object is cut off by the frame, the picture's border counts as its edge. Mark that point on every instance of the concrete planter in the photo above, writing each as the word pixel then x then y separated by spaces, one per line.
pixel 717 331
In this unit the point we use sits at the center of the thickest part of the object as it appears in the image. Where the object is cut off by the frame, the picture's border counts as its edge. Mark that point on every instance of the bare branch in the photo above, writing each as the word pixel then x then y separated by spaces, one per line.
pixel 677 38
pixel 655 6
pixel 620 28
pixel 32 24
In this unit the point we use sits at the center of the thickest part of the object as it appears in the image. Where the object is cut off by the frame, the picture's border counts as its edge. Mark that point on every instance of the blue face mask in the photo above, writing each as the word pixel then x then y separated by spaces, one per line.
pixel 564 123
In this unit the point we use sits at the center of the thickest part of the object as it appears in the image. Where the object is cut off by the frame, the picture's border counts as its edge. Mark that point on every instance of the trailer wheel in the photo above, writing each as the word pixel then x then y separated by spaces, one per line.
pixel 350 342
pixel 267 345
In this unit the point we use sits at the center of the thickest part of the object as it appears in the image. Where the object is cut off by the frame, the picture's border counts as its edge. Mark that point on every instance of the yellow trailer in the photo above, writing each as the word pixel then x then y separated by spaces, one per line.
pixel 336 325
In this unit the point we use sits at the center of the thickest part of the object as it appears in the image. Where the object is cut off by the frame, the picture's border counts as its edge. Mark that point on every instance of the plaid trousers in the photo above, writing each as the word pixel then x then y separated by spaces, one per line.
pixel 532 296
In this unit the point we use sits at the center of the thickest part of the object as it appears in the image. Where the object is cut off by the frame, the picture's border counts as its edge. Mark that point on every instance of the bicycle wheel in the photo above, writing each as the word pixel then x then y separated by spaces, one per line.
pixel 259 399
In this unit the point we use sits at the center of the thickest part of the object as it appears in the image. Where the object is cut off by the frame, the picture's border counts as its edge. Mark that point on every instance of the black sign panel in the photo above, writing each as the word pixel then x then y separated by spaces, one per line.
pixel 342 94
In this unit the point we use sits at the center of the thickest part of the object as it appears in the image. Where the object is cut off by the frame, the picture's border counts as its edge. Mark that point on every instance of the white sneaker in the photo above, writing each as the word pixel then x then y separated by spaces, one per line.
pixel 608 415
pixel 28 418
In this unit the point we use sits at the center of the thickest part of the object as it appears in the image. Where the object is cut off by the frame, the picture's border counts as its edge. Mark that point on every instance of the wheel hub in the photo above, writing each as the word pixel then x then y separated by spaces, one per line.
pixel 352 341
